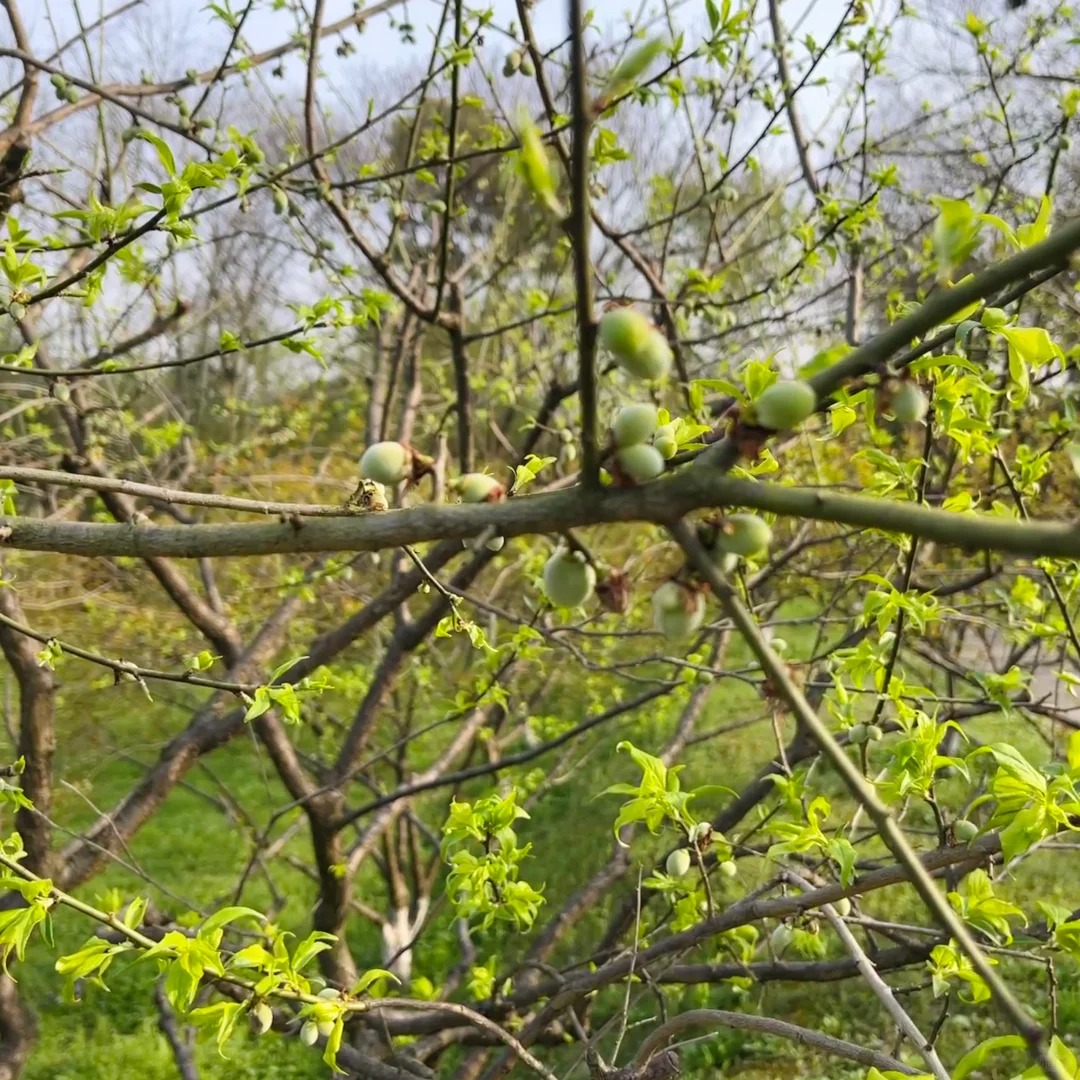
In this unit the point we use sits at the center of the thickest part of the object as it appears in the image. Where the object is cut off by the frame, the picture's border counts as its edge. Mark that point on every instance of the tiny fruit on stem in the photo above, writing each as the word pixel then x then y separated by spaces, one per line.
pixel 678 863
pixel 781 937
pixel 480 488
pixel 909 404
pixel 634 424
pixel 639 463
pixel 638 346
pixel 677 612
pixel 964 830
pixel 568 579
pixel 785 404
pixel 262 1017
pixel 386 463
pixel 744 534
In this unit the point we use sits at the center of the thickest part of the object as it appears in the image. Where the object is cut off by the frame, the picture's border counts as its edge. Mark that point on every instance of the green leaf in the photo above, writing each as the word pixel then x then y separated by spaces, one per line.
pixel 635 65
pixel 975 1058
pixel 371 977
pixel 227 915
pixel 956 234
pixel 165 155
pixel 333 1045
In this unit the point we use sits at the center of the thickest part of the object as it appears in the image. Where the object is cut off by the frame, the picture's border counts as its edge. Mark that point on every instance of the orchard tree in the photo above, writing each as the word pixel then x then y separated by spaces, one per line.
pixel 587 507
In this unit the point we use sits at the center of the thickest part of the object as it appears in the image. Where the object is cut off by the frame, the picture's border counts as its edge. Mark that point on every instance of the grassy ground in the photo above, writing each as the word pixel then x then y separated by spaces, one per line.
pixel 195 850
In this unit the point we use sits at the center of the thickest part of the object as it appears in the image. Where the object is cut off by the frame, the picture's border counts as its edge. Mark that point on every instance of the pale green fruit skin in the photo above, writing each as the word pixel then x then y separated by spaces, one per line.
pixel 750 536
pixel 634 424
pixel 624 332
pixel 726 562
pixel 667 446
pixel 568 582
pixel 653 360
pixel 909 404
pixel 678 623
pixel 842 907
pixel 874 733
pixel 781 937
pixel 637 345
pixel 325 1027
pixel 309 1033
pixel 785 404
pixel 858 734
pixel 965 830
pixel 678 863
pixel 262 1016
pixel 479 487
pixel 386 462
pixel 641 463
pixel 669 597
pixel 728 868
pixel 496 543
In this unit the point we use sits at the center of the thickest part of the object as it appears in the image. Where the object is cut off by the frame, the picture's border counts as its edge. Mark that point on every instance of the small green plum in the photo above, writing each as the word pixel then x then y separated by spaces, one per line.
pixel 568 579
pixel 785 404
pixel 634 424
pixel 744 534
pixel 386 462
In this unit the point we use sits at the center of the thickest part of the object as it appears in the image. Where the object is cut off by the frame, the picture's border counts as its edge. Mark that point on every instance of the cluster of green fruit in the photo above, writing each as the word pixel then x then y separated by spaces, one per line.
pixel 393 463
pixel 641 444
pixel 640 447
pixel 680 860
pixel 518 61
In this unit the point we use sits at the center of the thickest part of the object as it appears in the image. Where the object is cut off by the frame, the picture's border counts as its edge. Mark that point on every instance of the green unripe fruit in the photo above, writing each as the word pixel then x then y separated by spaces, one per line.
pixel 479 487
pixel 635 343
pixel 527 68
pixel 677 613
pixel 666 443
pixel 842 907
pixel 640 463
pixel 496 543
pixel 678 863
pixel 512 64
pixel 634 424
pixel 281 202
pixel 325 1027
pixel 874 733
pixel 744 534
pixel 262 1017
pixel 909 403
pixel 964 830
pixel 781 937
pixel 858 734
pixel 669 597
pixel 568 579
pixel 785 404
pixel 309 1033
pixel 654 360
pixel 328 993
pixel 728 868
pixel 624 331
pixel 386 462
pixel 566 435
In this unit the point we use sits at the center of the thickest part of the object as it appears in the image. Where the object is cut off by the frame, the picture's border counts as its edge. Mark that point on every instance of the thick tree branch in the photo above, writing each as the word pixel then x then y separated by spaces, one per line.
pixel 661 501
